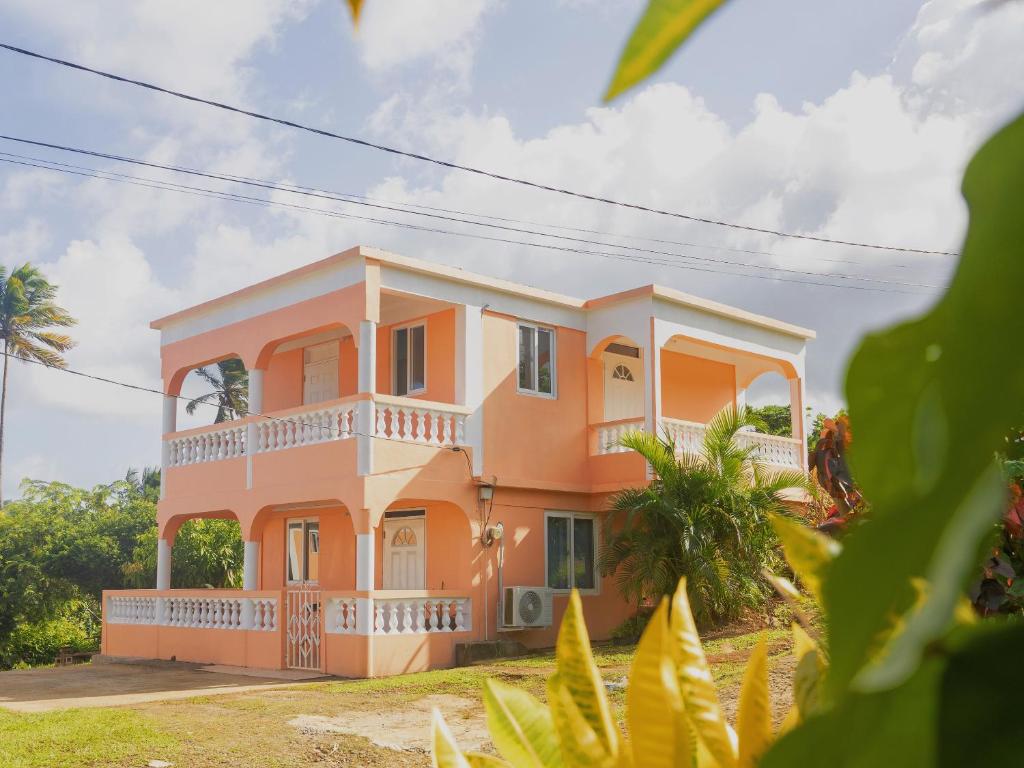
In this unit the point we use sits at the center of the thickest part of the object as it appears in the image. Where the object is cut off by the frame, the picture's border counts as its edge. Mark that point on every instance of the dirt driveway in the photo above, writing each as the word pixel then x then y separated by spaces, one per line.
pixel 105 684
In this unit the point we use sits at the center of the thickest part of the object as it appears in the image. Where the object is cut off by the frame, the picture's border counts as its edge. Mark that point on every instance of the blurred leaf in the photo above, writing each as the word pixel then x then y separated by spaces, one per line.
pixel 578 675
pixel 808 674
pixel 480 760
pixel 445 751
pixel 657 724
pixel 579 743
pixel 979 718
pixel 808 552
pixel 754 716
pixel 891 728
pixel 696 685
pixel 356 7
pixel 929 423
pixel 663 28
pixel 521 727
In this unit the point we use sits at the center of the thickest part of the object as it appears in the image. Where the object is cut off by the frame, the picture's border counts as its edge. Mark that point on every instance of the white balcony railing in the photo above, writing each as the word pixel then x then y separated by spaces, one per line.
pixel 195 611
pixel 688 437
pixel 394 418
pixel 405 613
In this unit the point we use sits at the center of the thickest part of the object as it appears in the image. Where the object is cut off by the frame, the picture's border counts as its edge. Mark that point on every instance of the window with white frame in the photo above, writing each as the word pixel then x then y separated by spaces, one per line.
pixel 409 360
pixel 536 360
pixel 571 551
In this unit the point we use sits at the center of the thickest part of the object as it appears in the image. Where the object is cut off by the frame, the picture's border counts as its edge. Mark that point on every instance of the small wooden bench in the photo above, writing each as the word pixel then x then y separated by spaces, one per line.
pixel 67 656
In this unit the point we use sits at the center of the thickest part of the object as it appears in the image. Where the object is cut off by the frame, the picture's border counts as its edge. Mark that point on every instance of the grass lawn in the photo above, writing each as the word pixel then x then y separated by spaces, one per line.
pixel 305 725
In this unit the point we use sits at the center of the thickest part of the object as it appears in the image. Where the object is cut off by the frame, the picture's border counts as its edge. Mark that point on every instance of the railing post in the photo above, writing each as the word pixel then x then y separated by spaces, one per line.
pixel 247 614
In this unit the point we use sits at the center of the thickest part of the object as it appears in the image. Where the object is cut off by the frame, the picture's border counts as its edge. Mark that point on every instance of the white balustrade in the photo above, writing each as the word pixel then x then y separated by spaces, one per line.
pixel 305 428
pixel 608 435
pixel 194 611
pixel 421 615
pixel 774 450
pixel 429 424
pixel 341 616
pixel 223 443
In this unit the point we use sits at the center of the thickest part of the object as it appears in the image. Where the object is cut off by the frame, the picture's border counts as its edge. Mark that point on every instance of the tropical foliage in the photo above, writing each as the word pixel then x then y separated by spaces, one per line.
pixel 28 315
pixel 772 419
pixel 230 393
pixel 61 546
pixel 703 517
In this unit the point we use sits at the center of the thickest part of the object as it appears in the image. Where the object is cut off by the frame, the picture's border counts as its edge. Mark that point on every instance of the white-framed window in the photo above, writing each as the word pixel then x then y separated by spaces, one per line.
pixel 302 550
pixel 536 360
pixel 409 359
pixel 570 551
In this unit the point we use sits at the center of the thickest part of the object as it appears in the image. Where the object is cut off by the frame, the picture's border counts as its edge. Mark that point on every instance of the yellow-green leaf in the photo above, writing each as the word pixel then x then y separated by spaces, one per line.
pixel 521 727
pixel 480 760
pixel 580 677
pixel 444 750
pixel 356 6
pixel 807 551
pixel 754 717
pixel 810 668
pixel 663 28
pixel 578 742
pixel 657 724
pixel 696 685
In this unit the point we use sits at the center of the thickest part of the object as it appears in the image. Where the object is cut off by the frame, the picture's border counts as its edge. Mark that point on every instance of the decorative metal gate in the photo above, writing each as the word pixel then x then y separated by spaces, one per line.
pixel 305 628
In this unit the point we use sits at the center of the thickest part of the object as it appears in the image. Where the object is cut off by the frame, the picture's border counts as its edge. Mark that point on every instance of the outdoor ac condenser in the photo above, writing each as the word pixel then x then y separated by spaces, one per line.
pixel 526 607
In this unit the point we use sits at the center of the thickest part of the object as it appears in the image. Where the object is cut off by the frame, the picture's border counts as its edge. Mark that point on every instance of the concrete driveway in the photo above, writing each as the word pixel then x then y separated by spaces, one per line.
pixel 108 684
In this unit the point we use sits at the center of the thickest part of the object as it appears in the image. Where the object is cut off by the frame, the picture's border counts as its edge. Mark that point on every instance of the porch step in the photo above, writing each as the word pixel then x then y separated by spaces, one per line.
pixel 485 650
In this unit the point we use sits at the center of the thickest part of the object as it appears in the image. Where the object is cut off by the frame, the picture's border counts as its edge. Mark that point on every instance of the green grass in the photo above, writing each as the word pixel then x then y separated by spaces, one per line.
pixel 79 737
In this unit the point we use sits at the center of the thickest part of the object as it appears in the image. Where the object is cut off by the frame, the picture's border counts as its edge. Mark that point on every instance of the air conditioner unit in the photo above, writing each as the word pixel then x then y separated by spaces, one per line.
pixel 526 607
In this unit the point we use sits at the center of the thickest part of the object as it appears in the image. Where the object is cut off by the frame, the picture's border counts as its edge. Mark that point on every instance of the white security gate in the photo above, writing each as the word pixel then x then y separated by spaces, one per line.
pixel 305 629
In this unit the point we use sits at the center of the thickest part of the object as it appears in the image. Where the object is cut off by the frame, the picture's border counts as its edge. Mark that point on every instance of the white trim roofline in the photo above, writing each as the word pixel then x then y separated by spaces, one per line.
pixel 455 274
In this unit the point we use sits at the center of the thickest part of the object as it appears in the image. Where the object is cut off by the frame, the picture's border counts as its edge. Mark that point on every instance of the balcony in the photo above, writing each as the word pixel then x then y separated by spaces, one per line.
pixel 688 437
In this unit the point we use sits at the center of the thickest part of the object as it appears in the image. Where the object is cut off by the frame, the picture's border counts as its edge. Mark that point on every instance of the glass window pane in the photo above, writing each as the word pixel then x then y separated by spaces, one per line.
pixel 525 357
pixel 558 553
pixel 400 349
pixel 418 354
pixel 295 551
pixel 545 363
pixel 583 553
pixel 312 551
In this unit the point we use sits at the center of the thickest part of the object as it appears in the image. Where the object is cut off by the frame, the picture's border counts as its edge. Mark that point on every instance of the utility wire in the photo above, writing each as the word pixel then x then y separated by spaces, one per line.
pixel 457 166
pixel 410 208
pixel 339 197
pixel 234 197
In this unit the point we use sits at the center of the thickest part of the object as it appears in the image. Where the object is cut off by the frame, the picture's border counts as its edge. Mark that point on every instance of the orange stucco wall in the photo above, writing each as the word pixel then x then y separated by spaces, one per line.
pixel 337 548
pixel 693 388
pixel 440 357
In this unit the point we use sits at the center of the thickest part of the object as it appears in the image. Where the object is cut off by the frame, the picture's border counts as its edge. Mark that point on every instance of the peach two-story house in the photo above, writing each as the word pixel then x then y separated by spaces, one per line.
pixel 427 457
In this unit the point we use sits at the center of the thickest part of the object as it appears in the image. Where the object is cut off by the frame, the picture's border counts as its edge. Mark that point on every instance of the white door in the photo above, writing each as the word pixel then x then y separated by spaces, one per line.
pixel 404 553
pixel 623 387
pixel 320 373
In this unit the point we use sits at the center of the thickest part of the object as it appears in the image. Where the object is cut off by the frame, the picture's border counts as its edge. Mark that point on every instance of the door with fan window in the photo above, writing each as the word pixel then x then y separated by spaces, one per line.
pixel 405 552
pixel 623 387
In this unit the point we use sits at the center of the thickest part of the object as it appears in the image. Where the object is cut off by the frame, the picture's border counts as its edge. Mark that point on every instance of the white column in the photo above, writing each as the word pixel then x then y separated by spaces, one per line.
pixel 365 551
pixel 163 564
pixel 741 399
pixel 170 424
pixel 251 568
pixel 170 414
pixel 469 377
pixel 365 411
pixel 367 356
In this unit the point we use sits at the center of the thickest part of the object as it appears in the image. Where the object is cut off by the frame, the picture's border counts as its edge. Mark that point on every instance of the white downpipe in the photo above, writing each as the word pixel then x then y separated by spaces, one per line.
pixel 251 568
pixel 163 564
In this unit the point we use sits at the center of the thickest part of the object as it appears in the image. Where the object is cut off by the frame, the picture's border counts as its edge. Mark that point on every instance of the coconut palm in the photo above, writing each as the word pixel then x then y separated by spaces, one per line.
pixel 27 315
pixel 230 392
pixel 703 516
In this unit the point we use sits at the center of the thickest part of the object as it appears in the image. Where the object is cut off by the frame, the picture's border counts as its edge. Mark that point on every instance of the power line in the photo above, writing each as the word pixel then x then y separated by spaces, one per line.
pixel 235 197
pixel 457 166
pixel 409 208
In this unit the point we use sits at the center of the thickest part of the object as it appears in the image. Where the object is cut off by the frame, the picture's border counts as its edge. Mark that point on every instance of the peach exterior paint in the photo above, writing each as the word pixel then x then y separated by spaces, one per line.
pixel 538 451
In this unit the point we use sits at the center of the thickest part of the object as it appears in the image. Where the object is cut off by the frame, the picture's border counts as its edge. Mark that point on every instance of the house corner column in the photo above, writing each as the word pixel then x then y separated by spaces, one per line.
pixel 365 409
pixel 796 413
pixel 469 377
pixel 170 424
pixel 163 564
pixel 255 400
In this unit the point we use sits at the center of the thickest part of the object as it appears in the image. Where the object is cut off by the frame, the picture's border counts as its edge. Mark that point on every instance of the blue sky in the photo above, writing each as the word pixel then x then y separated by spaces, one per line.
pixel 847 120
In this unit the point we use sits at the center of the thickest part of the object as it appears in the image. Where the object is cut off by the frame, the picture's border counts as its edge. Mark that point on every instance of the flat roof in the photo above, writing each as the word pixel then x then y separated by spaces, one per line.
pixel 506 286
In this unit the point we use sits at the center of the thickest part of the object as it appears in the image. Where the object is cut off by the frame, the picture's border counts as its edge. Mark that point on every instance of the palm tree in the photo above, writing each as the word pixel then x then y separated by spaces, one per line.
pixel 703 516
pixel 230 390
pixel 27 313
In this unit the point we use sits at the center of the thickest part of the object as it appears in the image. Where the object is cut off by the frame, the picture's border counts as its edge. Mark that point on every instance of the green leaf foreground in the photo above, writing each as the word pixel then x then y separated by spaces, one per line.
pixel 663 28
pixel 932 399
